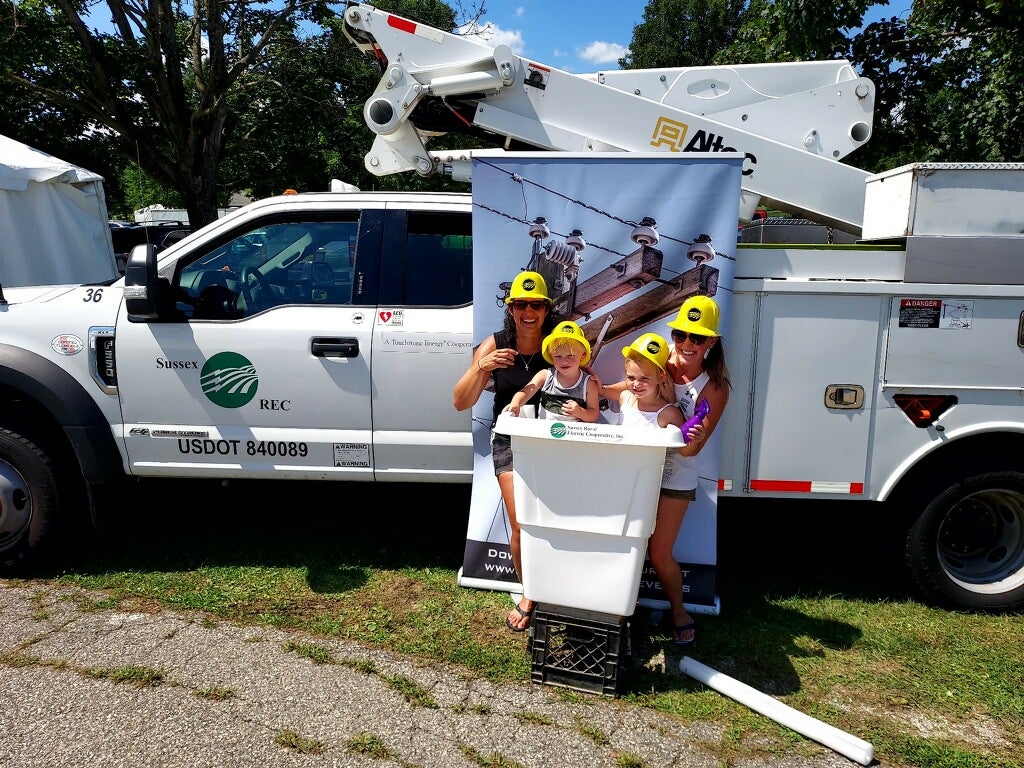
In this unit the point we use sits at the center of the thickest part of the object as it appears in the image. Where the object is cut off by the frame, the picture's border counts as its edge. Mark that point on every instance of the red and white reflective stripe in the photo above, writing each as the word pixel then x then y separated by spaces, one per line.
pixel 805 486
pixel 541 67
pixel 404 25
pixel 724 485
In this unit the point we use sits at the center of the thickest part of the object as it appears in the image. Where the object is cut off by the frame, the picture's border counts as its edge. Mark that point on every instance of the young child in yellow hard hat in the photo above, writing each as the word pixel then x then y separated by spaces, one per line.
pixel 647 402
pixel 566 391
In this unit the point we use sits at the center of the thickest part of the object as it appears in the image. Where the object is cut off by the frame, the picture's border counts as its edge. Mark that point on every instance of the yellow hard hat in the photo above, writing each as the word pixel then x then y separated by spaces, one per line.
pixel 651 346
pixel 699 314
pixel 566 330
pixel 528 285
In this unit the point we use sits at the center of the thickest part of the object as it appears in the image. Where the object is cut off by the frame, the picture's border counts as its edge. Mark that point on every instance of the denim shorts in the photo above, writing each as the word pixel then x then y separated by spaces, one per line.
pixel 501 453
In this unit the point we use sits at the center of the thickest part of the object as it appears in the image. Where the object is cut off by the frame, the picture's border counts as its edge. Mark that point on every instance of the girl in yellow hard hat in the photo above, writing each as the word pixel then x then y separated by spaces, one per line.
pixel 510 357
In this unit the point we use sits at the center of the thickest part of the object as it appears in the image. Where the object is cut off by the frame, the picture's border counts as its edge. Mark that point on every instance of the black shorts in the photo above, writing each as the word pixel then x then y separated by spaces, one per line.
pixel 688 495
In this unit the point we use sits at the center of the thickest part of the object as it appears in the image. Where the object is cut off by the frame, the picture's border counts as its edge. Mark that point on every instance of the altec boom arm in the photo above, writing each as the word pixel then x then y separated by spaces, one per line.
pixel 793 122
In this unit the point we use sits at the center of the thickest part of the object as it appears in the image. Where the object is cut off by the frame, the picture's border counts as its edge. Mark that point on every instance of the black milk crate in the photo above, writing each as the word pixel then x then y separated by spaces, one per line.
pixel 578 649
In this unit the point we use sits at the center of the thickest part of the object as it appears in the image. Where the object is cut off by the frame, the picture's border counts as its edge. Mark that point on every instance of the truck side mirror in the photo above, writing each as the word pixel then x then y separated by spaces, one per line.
pixel 140 285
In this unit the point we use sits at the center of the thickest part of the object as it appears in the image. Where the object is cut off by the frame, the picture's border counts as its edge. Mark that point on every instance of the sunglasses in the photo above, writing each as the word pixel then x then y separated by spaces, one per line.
pixel 680 336
pixel 522 304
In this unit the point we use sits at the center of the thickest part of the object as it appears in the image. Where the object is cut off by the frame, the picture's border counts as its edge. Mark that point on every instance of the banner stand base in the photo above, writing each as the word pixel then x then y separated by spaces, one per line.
pixel 492 584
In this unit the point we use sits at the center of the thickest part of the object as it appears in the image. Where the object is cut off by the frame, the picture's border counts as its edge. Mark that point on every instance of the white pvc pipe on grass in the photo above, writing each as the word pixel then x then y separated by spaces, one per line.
pixel 844 743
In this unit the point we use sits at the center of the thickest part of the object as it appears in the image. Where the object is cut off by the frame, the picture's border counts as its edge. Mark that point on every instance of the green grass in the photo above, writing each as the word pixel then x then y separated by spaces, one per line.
pixel 369 745
pixel 594 733
pixel 492 760
pixel 214 693
pixel 141 677
pixel 813 612
pixel 286 737
pixel 411 691
pixel 318 654
pixel 533 718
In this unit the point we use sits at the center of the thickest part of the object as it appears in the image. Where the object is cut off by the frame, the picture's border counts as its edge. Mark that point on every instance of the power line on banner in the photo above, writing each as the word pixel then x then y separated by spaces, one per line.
pixel 510 217
pixel 612 251
pixel 522 180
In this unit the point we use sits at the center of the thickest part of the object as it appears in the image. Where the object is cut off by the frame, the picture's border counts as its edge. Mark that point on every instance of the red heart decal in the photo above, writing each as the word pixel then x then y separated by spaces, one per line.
pixel 385 316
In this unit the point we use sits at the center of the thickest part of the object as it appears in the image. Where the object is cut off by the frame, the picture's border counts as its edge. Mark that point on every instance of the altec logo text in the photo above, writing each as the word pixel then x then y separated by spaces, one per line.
pixel 672 134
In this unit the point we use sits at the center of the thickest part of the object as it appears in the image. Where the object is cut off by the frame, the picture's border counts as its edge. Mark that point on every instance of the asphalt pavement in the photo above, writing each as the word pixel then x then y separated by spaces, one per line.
pixel 85 682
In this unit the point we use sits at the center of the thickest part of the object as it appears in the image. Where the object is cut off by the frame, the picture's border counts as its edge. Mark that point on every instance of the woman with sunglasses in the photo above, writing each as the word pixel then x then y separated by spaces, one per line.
pixel 697 370
pixel 511 357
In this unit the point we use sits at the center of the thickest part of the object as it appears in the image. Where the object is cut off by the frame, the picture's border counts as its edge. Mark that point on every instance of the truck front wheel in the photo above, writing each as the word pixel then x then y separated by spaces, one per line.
pixel 967 546
pixel 28 499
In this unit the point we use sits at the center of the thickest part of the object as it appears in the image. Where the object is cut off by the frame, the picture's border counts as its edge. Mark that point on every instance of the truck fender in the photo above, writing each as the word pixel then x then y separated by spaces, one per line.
pixel 75 412
pixel 949 440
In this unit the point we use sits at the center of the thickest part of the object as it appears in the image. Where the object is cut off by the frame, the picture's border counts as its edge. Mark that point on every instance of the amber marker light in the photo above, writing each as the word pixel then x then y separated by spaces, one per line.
pixel 924 410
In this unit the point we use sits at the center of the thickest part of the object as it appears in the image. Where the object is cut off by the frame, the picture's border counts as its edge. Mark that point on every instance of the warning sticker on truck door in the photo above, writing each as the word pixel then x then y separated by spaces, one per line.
pixel 936 313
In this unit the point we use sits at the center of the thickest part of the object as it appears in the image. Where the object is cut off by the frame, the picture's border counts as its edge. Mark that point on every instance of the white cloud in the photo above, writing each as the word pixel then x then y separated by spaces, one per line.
pixel 558 53
pixel 494 35
pixel 520 10
pixel 599 52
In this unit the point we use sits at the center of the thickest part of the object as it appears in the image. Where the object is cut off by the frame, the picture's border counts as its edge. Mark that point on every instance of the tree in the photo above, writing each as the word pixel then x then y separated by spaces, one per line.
pixel 682 33
pixel 180 89
pixel 948 80
pixel 795 30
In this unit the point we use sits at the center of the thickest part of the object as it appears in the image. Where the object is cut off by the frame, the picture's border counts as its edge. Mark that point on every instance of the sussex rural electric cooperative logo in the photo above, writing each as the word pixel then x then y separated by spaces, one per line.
pixel 229 380
pixel 558 429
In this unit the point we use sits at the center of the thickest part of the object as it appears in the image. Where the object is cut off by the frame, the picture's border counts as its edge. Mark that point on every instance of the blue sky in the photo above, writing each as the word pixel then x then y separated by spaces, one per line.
pixel 584 36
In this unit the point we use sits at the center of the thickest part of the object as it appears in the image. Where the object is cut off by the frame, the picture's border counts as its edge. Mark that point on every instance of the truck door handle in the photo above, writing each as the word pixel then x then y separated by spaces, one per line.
pixel 335 347
pixel 844 396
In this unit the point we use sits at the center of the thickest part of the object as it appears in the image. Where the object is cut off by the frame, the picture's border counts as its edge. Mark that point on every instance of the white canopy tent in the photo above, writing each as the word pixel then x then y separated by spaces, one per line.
pixel 53 220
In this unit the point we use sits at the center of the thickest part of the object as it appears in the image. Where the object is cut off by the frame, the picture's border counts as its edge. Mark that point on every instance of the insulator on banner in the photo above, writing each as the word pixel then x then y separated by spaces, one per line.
pixel 560 253
pixel 701 250
pixel 575 239
pixel 645 233
pixel 539 228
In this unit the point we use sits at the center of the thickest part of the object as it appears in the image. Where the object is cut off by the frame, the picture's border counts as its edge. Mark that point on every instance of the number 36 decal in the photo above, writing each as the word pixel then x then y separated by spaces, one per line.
pixel 93 294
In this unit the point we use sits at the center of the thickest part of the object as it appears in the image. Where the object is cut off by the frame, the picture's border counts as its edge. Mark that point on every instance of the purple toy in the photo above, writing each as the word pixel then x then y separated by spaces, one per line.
pixel 703 409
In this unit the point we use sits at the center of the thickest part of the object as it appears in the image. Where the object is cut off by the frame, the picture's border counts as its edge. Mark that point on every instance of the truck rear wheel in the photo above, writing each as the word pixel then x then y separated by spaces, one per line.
pixel 967 546
pixel 28 499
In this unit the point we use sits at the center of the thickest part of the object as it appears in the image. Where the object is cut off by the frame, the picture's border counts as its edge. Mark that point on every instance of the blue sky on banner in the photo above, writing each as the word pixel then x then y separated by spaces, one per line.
pixel 586 36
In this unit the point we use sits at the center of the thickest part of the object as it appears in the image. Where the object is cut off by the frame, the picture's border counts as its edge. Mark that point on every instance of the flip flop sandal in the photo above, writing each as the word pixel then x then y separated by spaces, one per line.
pixel 524 614
pixel 679 630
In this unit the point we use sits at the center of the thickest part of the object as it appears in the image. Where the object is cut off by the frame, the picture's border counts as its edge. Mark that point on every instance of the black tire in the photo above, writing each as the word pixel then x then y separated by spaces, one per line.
pixel 28 500
pixel 966 548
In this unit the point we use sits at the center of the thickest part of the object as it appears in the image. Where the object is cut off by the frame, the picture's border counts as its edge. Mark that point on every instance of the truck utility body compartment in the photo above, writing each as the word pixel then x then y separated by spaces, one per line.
pixel 945 199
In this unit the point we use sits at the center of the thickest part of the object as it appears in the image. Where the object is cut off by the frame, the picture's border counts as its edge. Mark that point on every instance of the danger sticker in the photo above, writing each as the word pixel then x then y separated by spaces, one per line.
pixel 936 313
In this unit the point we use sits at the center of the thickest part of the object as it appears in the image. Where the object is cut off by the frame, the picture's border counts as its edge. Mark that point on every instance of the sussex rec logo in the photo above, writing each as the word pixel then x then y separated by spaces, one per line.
pixel 693 314
pixel 229 380
pixel 558 429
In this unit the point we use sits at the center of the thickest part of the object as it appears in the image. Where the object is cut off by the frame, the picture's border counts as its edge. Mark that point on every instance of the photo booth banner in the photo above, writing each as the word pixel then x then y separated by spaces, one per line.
pixel 655 230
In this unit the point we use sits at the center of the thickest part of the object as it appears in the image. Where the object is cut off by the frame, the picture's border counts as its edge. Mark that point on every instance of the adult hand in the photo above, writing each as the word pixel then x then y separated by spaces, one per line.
pixel 499 358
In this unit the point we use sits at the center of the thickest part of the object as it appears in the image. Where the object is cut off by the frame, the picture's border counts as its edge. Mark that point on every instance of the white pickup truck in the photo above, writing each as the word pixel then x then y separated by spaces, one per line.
pixel 319 335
